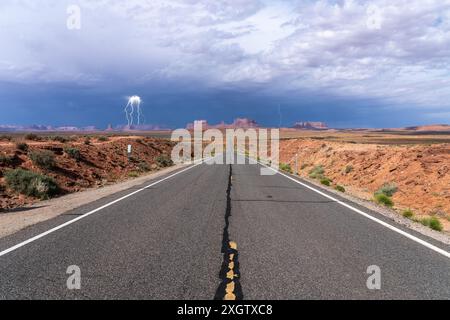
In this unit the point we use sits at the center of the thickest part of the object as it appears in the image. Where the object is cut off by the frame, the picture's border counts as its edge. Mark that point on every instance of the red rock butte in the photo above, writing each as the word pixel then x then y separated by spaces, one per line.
pixel 310 125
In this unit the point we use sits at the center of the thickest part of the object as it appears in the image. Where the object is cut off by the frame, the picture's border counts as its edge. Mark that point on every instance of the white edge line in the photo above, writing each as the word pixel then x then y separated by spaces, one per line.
pixel 387 225
pixel 39 236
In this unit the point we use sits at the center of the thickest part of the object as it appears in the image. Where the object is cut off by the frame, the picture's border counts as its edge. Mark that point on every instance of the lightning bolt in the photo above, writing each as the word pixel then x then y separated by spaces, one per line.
pixel 133 106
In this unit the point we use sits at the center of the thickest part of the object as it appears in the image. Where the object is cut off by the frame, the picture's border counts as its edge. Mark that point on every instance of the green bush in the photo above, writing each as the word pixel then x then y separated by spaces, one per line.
pixel 31 184
pixel 103 139
pixel 164 161
pixel 6 160
pixel 5 138
pixel 384 200
pixel 87 141
pixel 143 166
pixel 317 172
pixel 74 153
pixel 32 137
pixel 133 174
pixel 348 169
pixel 388 189
pixel 325 182
pixel 60 139
pixel 433 223
pixel 408 214
pixel 286 167
pixel 22 146
pixel 44 159
pixel 340 188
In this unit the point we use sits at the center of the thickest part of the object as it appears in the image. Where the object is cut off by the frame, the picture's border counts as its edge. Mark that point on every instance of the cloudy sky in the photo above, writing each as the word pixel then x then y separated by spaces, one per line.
pixel 350 63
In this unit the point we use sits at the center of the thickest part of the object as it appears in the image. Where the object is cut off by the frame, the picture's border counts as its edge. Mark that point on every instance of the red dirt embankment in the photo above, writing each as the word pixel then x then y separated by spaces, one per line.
pixel 101 163
pixel 421 172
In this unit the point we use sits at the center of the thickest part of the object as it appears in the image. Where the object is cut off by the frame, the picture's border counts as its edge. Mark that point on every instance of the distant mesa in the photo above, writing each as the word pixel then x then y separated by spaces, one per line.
pixel 142 127
pixel 203 123
pixel 430 128
pixel 41 128
pixel 110 128
pixel 310 126
pixel 245 123
pixel 239 123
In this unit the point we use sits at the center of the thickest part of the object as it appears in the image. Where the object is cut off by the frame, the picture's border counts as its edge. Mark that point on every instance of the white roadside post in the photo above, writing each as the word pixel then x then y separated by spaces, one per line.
pixel 296 164
pixel 129 150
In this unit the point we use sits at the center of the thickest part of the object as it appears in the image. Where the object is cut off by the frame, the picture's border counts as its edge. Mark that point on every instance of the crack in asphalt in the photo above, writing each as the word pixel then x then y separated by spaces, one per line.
pixel 230 286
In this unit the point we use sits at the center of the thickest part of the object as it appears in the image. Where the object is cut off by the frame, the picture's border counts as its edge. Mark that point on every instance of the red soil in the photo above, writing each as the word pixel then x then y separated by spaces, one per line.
pixel 421 172
pixel 102 163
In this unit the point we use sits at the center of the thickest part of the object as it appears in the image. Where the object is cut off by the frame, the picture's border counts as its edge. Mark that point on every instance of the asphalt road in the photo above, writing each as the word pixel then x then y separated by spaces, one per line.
pixel 176 239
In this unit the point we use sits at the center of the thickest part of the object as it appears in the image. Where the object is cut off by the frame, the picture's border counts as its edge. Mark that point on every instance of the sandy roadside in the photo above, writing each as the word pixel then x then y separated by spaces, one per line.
pixel 12 222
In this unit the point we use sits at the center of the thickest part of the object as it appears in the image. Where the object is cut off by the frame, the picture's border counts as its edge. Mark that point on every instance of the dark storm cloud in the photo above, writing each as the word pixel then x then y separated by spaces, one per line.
pixel 351 63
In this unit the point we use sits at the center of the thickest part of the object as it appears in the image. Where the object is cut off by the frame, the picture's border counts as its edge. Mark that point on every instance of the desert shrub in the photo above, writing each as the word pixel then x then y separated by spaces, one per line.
pixel 325 182
pixel 348 169
pixel 60 139
pixel 286 167
pixel 408 214
pixel 44 159
pixel 6 160
pixel 5 138
pixel 384 200
pixel 31 184
pixel 433 223
pixel 304 166
pixel 74 153
pixel 103 139
pixel 22 146
pixel 317 172
pixel 388 189
pixel 131 158
pixel 87 141
pixel 143 166
pixel 133 174
pixel 164 161
pixel 32 137
pixel 340 188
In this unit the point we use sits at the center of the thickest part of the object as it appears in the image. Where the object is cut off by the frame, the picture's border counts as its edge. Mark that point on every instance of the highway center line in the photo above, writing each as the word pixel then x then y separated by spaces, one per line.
pixel 387 225
pixel 39 236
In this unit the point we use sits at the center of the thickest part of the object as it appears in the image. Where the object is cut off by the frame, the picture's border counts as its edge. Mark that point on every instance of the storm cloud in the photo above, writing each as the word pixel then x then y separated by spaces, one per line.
pixel 351 63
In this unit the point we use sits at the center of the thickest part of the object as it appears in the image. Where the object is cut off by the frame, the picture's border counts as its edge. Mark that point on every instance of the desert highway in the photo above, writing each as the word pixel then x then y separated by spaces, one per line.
pixel 177 237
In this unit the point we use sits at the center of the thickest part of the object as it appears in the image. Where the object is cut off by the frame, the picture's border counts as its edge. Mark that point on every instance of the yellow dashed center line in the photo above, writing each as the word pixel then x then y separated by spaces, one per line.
pixel 229 291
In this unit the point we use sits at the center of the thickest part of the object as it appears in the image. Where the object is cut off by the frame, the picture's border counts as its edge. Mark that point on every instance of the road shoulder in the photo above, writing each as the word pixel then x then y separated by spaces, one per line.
pixel 12 222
